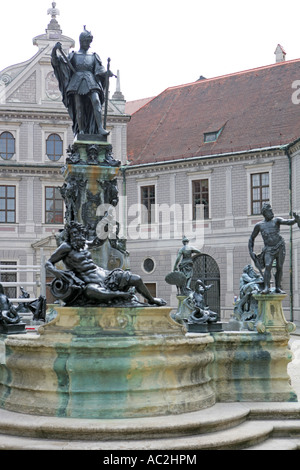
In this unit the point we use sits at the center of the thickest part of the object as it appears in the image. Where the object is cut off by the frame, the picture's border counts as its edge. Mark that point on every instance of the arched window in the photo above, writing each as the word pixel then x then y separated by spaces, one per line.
pixel 54 147
pixel 7 145
pixel 206 269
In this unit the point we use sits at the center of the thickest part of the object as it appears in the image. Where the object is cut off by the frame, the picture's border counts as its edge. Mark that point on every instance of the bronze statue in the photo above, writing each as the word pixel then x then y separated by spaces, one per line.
pixel 201 313
pixel 82 79
pixel 251 282
pixel 84 281
pixel 274 246
pixel 184 261
pixel 8 313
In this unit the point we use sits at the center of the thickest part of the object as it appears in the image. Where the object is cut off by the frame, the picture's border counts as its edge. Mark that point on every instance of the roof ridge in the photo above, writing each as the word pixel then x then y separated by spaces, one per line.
pixel 278 64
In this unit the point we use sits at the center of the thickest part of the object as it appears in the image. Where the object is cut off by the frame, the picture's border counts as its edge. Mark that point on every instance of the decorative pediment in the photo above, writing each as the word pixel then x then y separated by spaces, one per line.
pixel 25 93
pixel 48 243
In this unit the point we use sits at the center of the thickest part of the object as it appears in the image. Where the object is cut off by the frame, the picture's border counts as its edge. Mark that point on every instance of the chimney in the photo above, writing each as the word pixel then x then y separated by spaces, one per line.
pixel 280 53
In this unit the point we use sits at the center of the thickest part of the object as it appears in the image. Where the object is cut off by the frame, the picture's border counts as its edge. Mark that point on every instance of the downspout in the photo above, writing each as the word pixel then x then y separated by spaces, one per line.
pixel 286 149
pixel 287 152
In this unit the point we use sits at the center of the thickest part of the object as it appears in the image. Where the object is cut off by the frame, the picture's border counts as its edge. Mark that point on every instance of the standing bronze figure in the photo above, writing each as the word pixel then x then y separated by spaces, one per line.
pixel 82 79
pixel 274 246
pixel 184 261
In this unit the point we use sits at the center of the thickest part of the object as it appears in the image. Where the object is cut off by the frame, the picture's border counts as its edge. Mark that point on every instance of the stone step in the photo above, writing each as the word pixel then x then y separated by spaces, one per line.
pixel 241 436
pixel 277 444
pixel 215 418
pixel 222 426
pixel 278 410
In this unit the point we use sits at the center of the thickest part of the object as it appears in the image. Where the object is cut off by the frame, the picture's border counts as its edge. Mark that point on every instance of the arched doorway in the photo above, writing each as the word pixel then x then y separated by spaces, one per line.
pixel 206 269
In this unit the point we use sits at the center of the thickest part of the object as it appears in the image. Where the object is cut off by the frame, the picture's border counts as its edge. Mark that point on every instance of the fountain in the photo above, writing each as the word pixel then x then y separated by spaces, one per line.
pixel 105 354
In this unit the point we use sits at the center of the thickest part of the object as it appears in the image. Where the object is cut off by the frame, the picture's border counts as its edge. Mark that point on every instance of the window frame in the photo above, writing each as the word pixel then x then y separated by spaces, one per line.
pixel 45 199
pixel 149 206
pixel 62 132
pixel 6 276
pixel 143 265
pixel 150 285
pixel 212 136
pixel 13 139
pixel 200 175
pixel 60 141
pixel 206 211
pixel 12 128
pixel 6 199
pixel 143 183
pixel 260 188
pixel 252 170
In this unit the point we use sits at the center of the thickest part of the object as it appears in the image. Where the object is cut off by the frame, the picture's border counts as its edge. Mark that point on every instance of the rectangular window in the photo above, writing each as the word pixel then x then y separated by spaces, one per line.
pixel 53 205
pixel 260 191
pixel 200 196
pixel 210 136
pixel 151 286
pixel 147 202
pixel 7 204
pixel 6 276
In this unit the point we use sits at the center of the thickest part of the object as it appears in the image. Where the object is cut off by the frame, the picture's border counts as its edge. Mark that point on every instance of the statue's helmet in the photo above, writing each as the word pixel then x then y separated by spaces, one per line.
pixel 85 35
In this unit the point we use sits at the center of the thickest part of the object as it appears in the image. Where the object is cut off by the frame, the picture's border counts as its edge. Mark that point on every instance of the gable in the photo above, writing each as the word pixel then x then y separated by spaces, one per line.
pixel 26 92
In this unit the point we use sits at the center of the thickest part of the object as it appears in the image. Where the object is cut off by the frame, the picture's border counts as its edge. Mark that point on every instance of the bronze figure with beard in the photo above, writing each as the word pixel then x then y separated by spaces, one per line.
pixel 93 282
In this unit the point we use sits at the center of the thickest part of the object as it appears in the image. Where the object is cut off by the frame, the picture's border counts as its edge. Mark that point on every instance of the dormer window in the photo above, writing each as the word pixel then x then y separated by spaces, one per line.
pixel 212 136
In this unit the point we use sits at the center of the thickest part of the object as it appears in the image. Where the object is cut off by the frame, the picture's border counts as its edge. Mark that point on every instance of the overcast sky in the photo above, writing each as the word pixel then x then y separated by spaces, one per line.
pixel 160 43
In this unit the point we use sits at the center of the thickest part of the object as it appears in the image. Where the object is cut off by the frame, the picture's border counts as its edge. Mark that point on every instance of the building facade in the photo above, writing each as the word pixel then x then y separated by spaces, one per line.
pixel 226 145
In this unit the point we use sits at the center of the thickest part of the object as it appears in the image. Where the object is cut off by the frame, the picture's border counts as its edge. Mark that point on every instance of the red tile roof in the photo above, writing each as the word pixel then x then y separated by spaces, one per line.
pixel 253 107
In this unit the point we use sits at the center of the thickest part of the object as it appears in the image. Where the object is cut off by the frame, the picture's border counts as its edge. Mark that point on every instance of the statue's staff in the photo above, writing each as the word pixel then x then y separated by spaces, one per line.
pixel 108 74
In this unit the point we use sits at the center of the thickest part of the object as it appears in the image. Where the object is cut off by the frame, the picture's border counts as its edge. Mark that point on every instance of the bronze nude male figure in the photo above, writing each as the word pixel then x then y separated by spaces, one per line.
pixel 93 283
pixel 274 246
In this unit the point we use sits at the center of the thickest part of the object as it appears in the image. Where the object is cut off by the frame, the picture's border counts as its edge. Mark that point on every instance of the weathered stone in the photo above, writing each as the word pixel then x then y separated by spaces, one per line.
pixel 88 363
pixel 270 314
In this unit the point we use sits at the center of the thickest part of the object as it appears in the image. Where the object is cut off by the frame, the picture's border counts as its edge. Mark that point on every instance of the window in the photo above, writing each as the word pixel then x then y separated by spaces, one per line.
pixel 207 269
pixel 260 191
pixel 53 205
pixel 151 286
pixel 7 145
pixel 200 196
pixel 6 276
pixel 147 201
pixel 148 265
pixel 7 204
pixel 54 147
pixel 212 136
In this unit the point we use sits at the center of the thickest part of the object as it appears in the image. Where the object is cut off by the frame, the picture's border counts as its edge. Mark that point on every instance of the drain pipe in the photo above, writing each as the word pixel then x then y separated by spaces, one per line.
pixel 286 149
pixel 287 152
